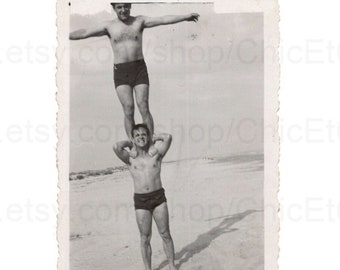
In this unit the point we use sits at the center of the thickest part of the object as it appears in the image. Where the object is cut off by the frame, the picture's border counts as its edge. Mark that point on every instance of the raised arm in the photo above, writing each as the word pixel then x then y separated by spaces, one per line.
pixel 169 19
pixel 96 31
pixel 165 140
pixel 119 149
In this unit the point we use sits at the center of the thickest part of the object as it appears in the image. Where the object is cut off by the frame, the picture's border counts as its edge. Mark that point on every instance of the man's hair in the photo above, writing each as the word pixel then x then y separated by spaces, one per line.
pixel 113 4
pixel 138 126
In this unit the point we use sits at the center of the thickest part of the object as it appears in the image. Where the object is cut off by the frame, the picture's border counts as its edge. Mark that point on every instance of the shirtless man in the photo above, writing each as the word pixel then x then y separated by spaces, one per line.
pixel 130 72
pixel 149 197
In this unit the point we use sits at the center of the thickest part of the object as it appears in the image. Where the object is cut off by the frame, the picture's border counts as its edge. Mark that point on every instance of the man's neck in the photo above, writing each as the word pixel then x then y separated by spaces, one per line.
pixel 127 21
pixel 142 151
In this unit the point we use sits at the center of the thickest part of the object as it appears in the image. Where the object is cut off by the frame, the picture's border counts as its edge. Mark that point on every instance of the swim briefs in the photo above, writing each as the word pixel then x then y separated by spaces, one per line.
pixel 131 73
pixel 149 201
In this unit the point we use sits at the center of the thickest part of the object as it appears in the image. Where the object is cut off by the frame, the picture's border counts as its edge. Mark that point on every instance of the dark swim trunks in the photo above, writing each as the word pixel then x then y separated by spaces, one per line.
pixel 131 73
pixel 149 201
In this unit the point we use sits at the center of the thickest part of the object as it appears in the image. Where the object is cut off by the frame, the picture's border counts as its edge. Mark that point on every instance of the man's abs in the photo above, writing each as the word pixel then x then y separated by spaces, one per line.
pixel 127 51
pixel 144 184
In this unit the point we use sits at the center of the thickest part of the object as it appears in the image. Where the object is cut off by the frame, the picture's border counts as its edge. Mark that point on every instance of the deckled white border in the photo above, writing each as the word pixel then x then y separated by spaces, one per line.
pixel 63 131
pixel 271 147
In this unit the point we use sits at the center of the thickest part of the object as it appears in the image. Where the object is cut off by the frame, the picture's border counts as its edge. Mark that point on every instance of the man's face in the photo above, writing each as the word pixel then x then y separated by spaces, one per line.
pixel 122 11
pixel 140 137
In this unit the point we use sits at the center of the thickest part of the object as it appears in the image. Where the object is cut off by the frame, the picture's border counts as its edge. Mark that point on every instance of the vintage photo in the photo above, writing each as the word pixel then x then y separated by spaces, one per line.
pixel 167 127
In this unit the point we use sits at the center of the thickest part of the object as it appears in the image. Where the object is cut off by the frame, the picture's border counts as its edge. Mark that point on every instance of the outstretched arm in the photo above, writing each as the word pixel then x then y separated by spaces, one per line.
pixel 165 140
pixel 97 31
pixel 169 19
pixel 119 149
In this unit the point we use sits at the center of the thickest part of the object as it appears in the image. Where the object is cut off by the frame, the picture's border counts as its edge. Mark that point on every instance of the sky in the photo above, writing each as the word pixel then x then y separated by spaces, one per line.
pixel 206 85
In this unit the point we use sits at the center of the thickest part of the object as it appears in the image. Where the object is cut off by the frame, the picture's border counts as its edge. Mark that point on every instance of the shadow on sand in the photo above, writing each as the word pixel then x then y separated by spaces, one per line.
pixel 204 240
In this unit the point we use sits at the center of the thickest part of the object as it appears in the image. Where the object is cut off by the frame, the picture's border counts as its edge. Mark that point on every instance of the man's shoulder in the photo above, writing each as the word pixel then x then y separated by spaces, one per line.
pixel 140 19
pixel 112 21
pixel 108 23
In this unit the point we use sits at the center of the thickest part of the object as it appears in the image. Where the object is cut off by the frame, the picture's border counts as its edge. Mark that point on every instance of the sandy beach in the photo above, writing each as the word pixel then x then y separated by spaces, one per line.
pixel 216 217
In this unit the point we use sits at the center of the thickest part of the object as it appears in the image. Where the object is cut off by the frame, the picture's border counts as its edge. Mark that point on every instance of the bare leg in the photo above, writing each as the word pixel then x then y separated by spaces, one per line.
pixel 144 221
pixel 125 95
pixel 142 100
pixel 161 216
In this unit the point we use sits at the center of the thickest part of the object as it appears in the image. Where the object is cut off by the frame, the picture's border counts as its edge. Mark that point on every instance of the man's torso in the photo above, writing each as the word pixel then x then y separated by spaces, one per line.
pixel 126 39
pixel 145 172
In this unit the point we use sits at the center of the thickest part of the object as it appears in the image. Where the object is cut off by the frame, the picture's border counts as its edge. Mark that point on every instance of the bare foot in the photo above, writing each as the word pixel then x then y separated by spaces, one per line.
pixel 133 152
pixel 153 150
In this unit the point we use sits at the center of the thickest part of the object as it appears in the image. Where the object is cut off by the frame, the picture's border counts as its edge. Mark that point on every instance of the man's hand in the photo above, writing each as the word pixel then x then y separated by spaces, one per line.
pixel 193 17
pixel 156 138
pixel 133 151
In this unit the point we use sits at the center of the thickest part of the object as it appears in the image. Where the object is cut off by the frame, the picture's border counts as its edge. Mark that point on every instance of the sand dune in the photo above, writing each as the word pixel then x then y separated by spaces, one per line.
pixel 216 217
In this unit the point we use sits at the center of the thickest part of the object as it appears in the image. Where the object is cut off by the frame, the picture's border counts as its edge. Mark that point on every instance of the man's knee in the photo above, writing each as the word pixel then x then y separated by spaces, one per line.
pixel 128 110
pixel 143 108
pixel 165 236
pixel 145 239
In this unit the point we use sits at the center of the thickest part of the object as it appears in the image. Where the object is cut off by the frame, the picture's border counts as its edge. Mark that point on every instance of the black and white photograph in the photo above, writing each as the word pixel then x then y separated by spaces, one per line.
pixel 170 135
pixel 163 130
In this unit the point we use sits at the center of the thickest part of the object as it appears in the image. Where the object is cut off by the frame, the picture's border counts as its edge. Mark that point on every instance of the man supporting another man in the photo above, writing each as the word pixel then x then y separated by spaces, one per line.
pixel 149 198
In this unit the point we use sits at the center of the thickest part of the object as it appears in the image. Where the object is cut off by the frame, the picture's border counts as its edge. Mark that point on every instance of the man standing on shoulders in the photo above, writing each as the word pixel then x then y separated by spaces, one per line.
pixel 130 72
pixel 149 198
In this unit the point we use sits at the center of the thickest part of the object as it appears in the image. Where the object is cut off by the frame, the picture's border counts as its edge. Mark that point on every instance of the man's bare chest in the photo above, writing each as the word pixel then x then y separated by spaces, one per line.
pixel 121 33
pixel 145 164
